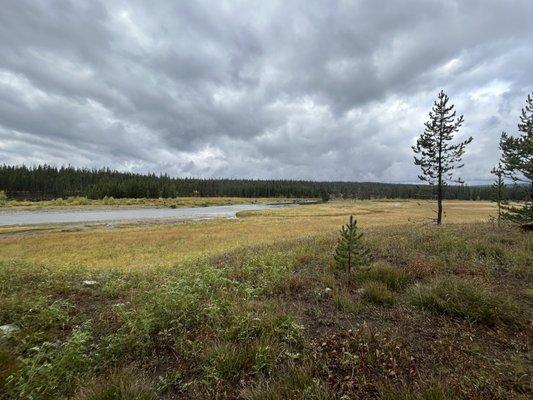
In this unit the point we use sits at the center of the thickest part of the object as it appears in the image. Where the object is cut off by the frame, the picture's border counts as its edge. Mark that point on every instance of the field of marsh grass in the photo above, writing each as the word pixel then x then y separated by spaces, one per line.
pixel 254 309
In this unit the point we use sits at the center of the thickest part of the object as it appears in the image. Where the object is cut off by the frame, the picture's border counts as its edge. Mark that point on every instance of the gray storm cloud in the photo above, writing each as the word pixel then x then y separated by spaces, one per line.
pixel 301 89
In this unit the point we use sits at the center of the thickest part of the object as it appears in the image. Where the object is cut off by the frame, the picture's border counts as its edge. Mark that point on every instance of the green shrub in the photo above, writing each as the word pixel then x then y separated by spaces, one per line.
pixel 465 299
pixel 35 311
pixel 377 292
pixel 50 370
pixel 193 302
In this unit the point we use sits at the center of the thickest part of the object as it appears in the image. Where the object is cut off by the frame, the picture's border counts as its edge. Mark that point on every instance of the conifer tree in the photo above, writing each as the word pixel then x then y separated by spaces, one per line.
pixel 499 189
pixel 517 160
pixel 350 252
pixel 434 154
pixel 324 195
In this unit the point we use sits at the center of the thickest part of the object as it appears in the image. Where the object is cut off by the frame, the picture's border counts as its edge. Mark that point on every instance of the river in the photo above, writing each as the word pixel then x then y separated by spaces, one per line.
pixel 34 217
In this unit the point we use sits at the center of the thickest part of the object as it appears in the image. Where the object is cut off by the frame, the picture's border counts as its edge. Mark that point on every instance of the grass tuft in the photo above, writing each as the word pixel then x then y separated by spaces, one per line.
pixel 295 383
pixel 120 384
pixel 377 292
pixel 461 298
pixel 393 277
pixel 428 392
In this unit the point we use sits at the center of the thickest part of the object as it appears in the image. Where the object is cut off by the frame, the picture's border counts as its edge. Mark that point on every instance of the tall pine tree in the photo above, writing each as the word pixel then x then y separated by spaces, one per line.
pixel 434 153
pixel 517 160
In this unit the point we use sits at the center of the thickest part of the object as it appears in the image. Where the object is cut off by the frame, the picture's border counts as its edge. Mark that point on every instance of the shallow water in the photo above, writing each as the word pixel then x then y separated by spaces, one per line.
pixel 8 218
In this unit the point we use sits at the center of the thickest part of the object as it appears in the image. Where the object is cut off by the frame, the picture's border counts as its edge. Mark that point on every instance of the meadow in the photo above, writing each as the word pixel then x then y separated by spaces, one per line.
pixel 253 308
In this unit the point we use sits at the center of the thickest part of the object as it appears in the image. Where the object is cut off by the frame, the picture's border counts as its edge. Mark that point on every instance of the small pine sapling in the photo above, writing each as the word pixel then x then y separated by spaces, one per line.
pixel 350 251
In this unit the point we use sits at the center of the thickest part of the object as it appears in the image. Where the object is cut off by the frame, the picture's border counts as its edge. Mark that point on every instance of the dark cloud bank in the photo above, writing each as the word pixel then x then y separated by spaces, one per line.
pixel 291 89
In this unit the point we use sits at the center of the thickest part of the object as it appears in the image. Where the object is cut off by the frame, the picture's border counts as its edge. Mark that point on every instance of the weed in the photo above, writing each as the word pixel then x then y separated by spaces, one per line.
pixel 50 370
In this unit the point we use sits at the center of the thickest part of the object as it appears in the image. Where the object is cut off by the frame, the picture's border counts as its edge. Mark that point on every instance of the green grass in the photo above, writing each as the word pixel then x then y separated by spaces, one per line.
pixel 427 392
pixel 377 293
pixel 50 370
pixel 293 383
pixel 393 277
pixel 462 298
pixel 121 384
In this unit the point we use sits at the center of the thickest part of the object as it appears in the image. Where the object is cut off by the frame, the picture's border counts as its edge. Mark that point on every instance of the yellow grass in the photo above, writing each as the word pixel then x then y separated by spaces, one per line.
pixel 143 247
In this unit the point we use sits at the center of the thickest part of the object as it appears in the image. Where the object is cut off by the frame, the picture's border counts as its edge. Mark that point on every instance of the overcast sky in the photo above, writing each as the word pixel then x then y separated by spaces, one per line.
pixel 322 90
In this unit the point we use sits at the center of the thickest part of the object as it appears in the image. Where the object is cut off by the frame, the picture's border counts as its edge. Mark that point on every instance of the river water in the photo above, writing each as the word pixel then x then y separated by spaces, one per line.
pixel 8 218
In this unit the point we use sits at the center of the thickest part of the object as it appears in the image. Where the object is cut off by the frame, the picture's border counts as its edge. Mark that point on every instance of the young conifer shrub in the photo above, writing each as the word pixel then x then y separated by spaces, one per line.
pixel 350 252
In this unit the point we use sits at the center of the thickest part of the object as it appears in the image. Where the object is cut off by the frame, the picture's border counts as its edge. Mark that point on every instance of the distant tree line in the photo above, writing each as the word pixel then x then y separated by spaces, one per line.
pixel 47 182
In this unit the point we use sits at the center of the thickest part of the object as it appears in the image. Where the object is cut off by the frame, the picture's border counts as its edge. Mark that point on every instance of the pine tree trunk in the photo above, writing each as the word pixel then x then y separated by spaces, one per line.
pixel 531 200
pixel 439 189
pixel 439 202
pixel 500 197
pixel 349 262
